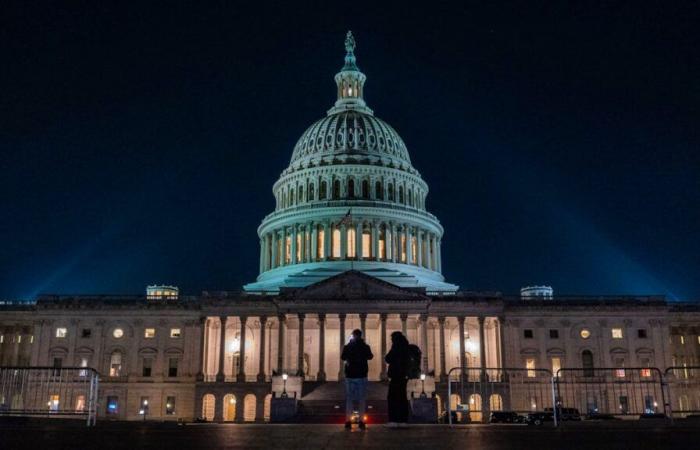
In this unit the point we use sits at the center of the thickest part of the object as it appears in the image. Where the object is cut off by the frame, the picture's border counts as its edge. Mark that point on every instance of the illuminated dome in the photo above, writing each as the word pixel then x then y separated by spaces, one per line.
pixel 350 200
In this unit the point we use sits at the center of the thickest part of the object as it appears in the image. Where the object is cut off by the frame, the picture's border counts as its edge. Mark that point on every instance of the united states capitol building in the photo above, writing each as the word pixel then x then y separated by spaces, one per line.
pixel 350 244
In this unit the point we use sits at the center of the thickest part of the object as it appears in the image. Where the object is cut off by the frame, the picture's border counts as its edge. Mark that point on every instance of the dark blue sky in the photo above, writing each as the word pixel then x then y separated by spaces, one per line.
pixel 140 144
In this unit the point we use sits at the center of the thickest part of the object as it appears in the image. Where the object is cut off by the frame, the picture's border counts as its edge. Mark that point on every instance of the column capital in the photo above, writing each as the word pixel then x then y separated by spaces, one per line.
pixel 282 317
pixel 441 320
pixel 341 317
pixel 423 317
pixel 481 320
pixel 202 320
pixel 243 319
pixel 322 317
pixel 363 316
pixel 460 319
pixel 301 316
pixel 263 321
pixel 223 319
pixel 403 316
pixel 383 317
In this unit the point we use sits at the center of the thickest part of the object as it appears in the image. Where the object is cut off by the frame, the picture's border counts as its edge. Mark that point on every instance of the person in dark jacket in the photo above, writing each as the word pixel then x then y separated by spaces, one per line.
pixel 399 360
pixel 356 354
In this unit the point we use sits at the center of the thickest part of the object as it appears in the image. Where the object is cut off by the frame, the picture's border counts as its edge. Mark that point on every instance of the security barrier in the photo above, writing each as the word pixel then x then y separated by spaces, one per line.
pixel 684 387
pixel 474 393
pixel 49 392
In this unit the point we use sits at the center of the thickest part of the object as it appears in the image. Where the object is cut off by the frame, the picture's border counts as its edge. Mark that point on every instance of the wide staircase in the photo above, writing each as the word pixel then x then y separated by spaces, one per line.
pixel 325 402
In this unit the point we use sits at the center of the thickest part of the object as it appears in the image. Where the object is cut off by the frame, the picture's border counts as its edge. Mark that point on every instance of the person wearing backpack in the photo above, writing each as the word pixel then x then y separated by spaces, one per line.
pixel 356 354
pixel 399 361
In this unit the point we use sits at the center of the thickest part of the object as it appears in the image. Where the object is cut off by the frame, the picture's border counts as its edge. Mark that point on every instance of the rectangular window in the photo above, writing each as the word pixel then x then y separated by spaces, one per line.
pixel 147 367
pixel 554 334
pixel 320 236
pixel 527 334
pixel 172 367
pixel 530 366
pixel 335 251
pixel 620 362
pixel 57 364
pixel 83 363
pixel 645 373
pixel 149 333
pixel 556 365
pixel 86 333
pixel 351 242
pixel 624 405
pixel 682 340
pixel 54 402
pixel 617 333
pixel 112 405
pixel 175 333
pixel 366 237
pixel 642 333
pixel 288 250
pixel 80 403
pixel 170 405
pixel 61 332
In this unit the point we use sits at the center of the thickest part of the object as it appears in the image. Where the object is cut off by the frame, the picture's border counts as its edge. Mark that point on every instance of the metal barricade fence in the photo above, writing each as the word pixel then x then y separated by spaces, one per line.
pixel 49 392
pixel 477 392
pixel 602 392
pixel 684 390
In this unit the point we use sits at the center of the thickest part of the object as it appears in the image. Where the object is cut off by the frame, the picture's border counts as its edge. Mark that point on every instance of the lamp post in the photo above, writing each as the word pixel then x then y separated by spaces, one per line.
pixel 284 388
pixel 422 389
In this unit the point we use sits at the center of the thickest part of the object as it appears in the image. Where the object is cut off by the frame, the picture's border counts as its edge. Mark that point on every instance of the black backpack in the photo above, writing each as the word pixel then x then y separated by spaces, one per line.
pixel 414 356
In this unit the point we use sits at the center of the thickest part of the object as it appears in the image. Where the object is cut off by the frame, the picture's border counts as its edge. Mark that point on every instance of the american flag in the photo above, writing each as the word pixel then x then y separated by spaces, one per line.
pixel 347 220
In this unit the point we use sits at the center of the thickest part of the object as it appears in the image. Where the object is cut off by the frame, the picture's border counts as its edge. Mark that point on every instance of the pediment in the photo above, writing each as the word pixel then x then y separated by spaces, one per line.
pixel 354 285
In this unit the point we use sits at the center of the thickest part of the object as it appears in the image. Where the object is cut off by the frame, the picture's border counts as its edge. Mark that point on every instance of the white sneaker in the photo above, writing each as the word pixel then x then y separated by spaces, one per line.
pixel 391 425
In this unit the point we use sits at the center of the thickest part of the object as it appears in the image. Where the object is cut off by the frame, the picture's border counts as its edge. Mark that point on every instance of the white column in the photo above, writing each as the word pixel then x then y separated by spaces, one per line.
pixel 241 359
pixel 261 343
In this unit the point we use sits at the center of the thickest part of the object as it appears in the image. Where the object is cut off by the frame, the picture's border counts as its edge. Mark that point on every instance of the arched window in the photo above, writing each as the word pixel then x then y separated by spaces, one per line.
pixel 365 189
pixel 229 407
pixel 301 195
pixel 382 242
pixel 335 242
pixel 496 402
pixel 249 408
pixel 410 197
pixel 587 363
pixel 401 194
pixel 310 196
pixel 322 190
pixel 115 364
pixel 378 191
pixel 208 407
pixel 475 408
pixel 336 189
pixel 367 243
pixel 391 192
pixel 291 197
pixel 351 188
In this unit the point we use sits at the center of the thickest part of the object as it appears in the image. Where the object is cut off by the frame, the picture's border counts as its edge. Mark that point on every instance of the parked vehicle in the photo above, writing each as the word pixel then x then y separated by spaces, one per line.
pixel 598 416
pixel 653 416
pixel 506 417
pixel 564 414
pixel 539 418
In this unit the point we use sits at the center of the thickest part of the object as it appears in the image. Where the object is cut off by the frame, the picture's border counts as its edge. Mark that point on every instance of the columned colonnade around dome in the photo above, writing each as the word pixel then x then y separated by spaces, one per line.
pixel 366 240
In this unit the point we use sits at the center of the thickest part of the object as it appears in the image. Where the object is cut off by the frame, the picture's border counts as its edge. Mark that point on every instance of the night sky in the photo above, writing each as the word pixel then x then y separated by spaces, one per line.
pixel 139 144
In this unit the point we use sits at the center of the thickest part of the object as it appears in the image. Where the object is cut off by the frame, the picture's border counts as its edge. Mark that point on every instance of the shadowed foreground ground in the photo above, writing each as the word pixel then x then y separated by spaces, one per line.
pixel 54 435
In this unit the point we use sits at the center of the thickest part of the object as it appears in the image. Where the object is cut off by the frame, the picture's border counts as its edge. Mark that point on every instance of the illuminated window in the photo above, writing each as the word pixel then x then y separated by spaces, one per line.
pixel 118 333
pixel 174 332
pixel 530 366
pixel 300 237
pixel 698 339
pixel 149 333
pixel 2 339
pixel 80 403
pixel 585 334
pixel 366 239
pixel 112 405
pixel 351 242
pixel 682 339
pixel 403 248
pixel 645 373
pixel 620 373
pixel 556 365
pixel 320 236
pixel 83 363
pixel 61 332
pixel 19 339
pixel 288 250
pixel 170 405
pixel 336 243
pixel 617 333
pixel 115 364
pixel 414 250
pixel 54 402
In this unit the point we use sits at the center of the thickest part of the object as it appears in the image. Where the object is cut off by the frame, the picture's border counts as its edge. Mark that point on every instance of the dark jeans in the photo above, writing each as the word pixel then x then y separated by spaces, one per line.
pixel 398 402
